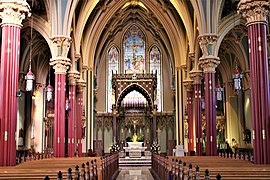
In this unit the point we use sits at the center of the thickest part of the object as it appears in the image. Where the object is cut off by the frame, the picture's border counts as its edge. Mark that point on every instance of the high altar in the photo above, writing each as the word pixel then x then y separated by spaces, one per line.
pixel 134 149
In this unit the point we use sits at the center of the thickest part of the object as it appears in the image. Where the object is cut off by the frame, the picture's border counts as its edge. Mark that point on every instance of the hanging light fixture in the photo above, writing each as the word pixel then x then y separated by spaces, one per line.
pixel 237 76
pixel 219 91
pixel 49 89
pixel 67 104
pixel 30 77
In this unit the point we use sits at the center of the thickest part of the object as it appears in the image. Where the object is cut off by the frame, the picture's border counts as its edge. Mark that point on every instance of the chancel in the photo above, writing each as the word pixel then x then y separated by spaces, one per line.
pixel 134 83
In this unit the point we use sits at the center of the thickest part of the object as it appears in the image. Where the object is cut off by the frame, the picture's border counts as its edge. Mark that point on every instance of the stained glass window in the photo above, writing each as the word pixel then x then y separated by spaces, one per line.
pixel 134 50
pixel 155 68
pixel 113 60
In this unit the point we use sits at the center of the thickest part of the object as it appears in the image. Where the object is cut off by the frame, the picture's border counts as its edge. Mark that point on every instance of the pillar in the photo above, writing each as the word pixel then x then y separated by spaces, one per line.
pixel 12 13
pixel 188 83
pixel 196 76
pixel 256 12
pixel 72 76
pixel 154 123
pixel 114 124
pixel 60 64
pixel 81 84
pixel 209 62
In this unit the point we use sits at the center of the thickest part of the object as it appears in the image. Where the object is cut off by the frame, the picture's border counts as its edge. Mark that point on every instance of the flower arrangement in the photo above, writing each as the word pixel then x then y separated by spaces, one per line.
pixel 155 147
pixel 115 148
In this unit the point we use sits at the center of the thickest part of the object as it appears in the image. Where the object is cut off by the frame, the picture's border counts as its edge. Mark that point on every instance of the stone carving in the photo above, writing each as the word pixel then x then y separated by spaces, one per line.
pixel 14 12
pixel 196 76
pixel 254 10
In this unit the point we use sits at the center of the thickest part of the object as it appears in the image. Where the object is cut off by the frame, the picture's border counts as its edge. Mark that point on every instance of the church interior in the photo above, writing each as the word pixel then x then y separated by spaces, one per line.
pixel 134 77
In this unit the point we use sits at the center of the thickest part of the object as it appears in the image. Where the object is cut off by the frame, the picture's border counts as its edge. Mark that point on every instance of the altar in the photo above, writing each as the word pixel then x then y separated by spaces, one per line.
pixel 134 149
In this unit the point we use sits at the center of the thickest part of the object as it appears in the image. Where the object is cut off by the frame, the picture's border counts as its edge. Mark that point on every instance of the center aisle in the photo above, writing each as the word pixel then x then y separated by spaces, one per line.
pixel 138 173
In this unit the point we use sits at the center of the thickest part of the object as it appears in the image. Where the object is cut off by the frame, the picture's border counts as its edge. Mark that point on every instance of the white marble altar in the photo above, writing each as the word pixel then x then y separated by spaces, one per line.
pixel 135 149
pixel 179 150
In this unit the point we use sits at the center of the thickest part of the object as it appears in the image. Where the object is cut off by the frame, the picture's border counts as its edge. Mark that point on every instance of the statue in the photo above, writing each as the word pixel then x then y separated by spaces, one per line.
pixel 134 137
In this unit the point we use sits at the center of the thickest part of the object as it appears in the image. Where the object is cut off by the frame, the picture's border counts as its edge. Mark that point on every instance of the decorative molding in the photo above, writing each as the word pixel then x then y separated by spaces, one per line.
pixel 254 11
pixel 209 63
pixel 207 44
pixel 196 76
pixel 188 83
pixel 61 45
pixel 60 65
pixel 81 84
pixel 14 12
pixel 73 77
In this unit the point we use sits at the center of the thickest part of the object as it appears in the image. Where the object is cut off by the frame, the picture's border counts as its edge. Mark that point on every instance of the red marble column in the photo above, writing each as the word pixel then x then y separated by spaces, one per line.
pixel 198 118
pixel 79 120
pixel 10 48
pixel 59 115
pixel 60 64
pixel 196 76
pixel 71 121
pixel 190 121
pixel 256 14
pixel 210 114
pixel 209 62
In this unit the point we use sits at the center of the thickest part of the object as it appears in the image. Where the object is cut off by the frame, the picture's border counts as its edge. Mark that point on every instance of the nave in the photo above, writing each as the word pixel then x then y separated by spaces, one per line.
pixel 229 168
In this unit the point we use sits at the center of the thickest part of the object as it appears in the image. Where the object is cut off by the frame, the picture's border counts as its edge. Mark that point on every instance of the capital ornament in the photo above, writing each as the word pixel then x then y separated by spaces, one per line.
pixel 254 10
pixel 196 76
pixel 73 76
pixel 207 43
pixel 188 83
pixel 13 12
pixel 209 63
pixel 62 45
pixel 60 65
pixel 81 84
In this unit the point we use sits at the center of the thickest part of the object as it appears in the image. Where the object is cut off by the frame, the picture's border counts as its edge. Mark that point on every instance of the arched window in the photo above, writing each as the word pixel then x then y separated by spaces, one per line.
pixel 134 50
pixel 113 60
pixel 155 68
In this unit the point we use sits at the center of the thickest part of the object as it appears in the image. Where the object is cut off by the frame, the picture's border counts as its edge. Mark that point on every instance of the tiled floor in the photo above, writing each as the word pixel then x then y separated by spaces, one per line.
pixel 135 173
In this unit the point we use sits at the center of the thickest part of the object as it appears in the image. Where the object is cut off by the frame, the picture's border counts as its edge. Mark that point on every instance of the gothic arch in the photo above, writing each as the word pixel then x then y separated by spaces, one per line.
pixel 138 88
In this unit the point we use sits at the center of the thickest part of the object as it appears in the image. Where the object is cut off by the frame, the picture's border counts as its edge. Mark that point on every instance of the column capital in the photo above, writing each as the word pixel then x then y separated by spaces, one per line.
pixel 60 65
pixel 61 45
pixel 188 83
pixel 191 56
pixel 14 12
pixel 207 43
pixel 196 76
pixel 254 11
pixel 73 76
pixel 209 63
pixel 177 68
pixel 81 84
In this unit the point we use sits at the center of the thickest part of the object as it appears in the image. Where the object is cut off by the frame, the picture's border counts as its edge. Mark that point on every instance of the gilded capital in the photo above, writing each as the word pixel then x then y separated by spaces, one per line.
pixel 209 63
pixel 14 12
pixel 196 76
pixel 207 43
pixel 188 83
pixel 254 11
pixel 60 65
pixel 73 76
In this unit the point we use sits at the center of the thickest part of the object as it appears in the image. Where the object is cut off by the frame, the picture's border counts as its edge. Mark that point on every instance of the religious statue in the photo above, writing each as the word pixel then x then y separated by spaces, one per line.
pixel 134 137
